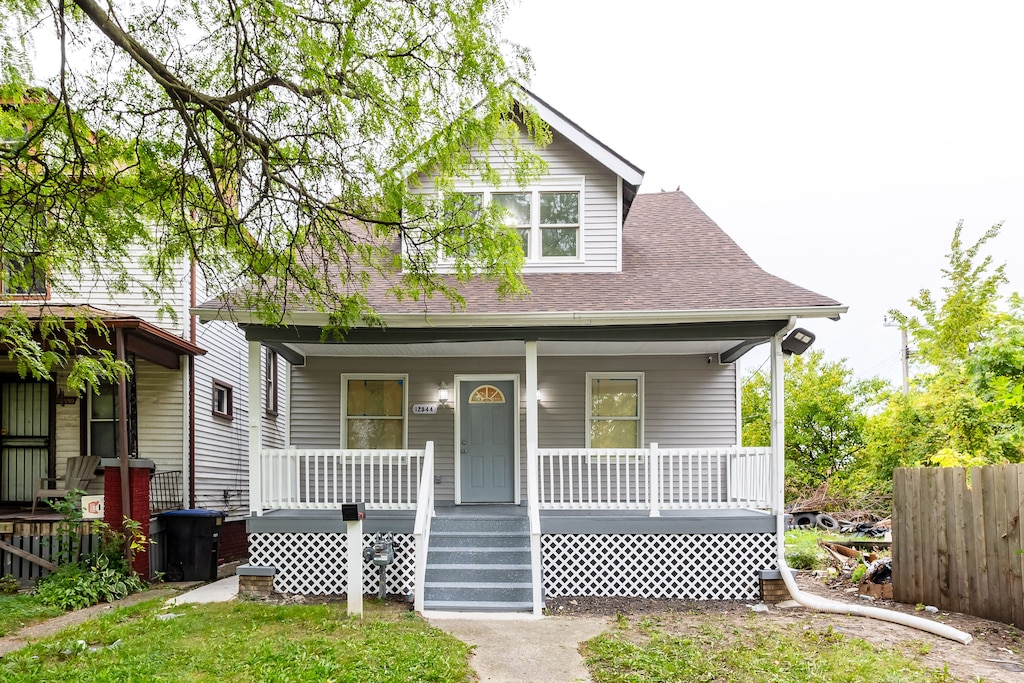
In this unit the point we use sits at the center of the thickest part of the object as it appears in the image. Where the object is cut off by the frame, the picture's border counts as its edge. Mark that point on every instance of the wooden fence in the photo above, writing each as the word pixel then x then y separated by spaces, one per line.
pixel 27 548
pixel 960 547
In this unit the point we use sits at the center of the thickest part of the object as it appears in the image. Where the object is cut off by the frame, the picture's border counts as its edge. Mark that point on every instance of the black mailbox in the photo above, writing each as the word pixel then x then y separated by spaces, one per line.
pixel 353 512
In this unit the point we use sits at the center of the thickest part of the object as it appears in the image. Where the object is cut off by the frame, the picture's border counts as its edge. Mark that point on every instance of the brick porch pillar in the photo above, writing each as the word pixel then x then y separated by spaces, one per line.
pixel 139 472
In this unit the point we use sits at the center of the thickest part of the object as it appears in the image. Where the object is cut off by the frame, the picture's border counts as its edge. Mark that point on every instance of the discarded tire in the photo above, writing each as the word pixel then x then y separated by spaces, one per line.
pixel 826 522
pixel 805 519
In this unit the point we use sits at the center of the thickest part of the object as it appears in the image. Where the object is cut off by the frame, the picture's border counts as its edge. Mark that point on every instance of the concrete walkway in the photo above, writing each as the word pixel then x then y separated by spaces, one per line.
pixel 526 650
pixel 219 591
pixel 505 650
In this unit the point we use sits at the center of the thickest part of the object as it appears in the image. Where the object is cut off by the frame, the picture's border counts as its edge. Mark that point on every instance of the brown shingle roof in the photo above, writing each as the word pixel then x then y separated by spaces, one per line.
pixel 676 259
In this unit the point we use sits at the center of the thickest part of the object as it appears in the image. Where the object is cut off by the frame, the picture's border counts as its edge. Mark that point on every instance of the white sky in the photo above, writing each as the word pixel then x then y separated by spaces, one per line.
pixel 837 143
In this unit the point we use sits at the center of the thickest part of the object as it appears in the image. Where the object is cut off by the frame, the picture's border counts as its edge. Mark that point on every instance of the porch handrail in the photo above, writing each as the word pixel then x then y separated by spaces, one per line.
pixel 421 529
pixel 324 479
pixel 655 478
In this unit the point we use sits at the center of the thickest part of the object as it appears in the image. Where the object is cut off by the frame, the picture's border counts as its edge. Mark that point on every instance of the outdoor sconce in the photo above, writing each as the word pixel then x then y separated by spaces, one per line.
pixel 797 341
pixel 442 394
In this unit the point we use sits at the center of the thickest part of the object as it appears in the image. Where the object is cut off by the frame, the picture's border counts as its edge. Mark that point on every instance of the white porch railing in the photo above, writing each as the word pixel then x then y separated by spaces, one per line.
pixel 323 479
pixel 654 478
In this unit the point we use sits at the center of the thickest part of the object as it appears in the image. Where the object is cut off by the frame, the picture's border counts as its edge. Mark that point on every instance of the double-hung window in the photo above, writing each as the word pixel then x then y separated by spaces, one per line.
pixel 374 411
pixel 615 408
pixel 548 216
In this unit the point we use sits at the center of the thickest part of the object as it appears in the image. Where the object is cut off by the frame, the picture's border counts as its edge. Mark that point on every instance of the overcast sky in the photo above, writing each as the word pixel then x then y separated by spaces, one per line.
pixel 837 143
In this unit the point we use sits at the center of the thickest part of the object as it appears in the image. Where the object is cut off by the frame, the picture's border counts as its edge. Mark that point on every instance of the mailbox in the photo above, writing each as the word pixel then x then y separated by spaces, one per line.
pixel 353 512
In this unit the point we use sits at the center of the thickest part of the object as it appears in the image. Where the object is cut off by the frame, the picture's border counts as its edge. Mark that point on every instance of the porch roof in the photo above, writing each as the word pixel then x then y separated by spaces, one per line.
pixel 145 340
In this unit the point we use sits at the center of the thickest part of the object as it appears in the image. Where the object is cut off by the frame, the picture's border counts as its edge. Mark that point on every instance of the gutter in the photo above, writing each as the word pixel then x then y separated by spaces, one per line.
pixel 528 319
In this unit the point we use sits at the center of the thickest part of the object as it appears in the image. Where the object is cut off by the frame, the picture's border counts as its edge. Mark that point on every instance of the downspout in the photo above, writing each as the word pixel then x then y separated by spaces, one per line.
pixel 813 602
pixel 192 392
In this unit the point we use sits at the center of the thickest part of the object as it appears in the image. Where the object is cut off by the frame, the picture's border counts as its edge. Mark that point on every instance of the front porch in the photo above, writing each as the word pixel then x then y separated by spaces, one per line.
pixel 652 522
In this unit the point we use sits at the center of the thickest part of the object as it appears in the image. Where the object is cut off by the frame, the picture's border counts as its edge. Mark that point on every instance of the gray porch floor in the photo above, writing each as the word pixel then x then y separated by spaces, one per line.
pixel 552 521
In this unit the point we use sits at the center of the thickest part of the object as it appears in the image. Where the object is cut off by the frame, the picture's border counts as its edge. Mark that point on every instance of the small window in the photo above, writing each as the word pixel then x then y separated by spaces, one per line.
pixel 270 383
pixel 517 206
pixel 614 410
pixel 223 400
pixel 24 276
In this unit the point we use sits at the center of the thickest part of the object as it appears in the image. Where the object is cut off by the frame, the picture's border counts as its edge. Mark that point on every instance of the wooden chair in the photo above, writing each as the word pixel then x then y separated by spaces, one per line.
pixel 79 472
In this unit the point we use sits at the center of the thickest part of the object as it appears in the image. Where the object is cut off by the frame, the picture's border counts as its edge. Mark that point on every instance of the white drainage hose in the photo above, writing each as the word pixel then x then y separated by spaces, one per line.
pixel 831 606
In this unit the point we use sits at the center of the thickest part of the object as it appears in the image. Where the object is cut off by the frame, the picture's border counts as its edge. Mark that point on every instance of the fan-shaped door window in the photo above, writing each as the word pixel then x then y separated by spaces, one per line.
pixel 487 393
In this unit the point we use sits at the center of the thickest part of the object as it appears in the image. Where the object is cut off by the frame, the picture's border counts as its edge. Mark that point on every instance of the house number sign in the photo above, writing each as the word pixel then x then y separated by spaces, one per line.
pixel 424 409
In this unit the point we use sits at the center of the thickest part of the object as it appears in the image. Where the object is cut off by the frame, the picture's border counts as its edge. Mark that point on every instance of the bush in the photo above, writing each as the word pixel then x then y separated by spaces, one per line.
pixel 8 585
pixel 802 551
pixel 74 586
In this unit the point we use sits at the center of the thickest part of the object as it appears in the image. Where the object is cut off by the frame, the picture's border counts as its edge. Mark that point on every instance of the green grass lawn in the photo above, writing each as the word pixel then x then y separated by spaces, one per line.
pixel 21 610
pixel 245 641
pixel 653 649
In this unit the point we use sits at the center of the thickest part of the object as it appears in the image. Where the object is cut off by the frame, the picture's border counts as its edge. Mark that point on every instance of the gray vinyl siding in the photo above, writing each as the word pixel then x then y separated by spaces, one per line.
pixel 222 445
pixel 688 402
pixel 600 205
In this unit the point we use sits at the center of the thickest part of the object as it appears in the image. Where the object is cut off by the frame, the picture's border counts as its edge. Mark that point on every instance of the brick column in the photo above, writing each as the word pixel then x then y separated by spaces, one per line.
pixel 138 482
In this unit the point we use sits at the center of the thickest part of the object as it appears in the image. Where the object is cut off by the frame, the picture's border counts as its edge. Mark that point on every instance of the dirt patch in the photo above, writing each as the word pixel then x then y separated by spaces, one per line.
pixel 994 655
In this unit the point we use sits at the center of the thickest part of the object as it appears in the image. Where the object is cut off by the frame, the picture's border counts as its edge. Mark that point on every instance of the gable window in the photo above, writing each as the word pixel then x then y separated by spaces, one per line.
pixel 23 276
pixel 374 411
pixel 270 382
pixel 223 400
pixel 547 216
pixel 614 410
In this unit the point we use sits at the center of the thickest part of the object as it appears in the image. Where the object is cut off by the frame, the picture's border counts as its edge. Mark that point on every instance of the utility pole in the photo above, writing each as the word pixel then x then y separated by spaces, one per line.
pixel 904 351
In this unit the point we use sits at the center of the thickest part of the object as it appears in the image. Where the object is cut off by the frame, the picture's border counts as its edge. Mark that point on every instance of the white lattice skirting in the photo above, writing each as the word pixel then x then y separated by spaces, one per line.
pixel 690 566
pixel 315 564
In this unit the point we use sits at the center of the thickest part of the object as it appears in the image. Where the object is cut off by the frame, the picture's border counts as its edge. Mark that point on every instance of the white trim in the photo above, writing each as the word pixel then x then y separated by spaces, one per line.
pixel 288 408
pixel 639 377
pixel 528 319
pixel 584 141
pixel 618 224
pixel 738 379
pixel 190 434
pixel 255 357
pixel 403 377
pixel 535 261
pixel 457 406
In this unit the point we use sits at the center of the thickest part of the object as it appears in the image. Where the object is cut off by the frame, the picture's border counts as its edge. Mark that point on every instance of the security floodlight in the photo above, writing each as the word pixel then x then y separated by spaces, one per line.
pixel 797 341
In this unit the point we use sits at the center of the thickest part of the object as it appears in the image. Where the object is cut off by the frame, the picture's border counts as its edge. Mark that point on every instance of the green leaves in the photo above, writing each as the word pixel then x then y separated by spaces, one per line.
pixel 269 143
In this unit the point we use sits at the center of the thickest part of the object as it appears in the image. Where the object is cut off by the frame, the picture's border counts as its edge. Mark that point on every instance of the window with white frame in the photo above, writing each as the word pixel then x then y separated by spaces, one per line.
pixel 374 411
pixel 615 410
pixel 548 216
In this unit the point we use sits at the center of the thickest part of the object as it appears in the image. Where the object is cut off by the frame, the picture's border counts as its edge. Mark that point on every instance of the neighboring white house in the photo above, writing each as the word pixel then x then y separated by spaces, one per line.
pixel 188 401
pixel 582 440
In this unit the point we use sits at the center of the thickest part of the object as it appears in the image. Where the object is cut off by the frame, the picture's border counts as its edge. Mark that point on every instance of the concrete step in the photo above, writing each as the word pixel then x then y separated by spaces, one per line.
pixel 451 539
pixel 464 606
pixel 492 555
pixel 491 525
pixel 462 573
pixel 480 592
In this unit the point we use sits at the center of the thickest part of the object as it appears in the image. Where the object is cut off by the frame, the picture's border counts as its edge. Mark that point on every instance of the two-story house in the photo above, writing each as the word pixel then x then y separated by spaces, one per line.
pixel 583 440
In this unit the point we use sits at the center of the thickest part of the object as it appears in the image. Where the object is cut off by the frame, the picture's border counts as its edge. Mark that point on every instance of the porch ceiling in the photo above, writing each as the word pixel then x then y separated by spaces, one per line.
pixel 515 348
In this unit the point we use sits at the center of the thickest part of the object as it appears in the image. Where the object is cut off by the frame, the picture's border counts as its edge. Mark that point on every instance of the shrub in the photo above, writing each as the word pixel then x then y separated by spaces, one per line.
pixel 74 586
pixel 8 585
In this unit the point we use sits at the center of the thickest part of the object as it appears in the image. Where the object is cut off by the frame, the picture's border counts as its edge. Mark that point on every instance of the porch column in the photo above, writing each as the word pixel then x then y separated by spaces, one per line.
pixel 255 437
pixel 778 424
pixel 532 438
pixel 532 475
